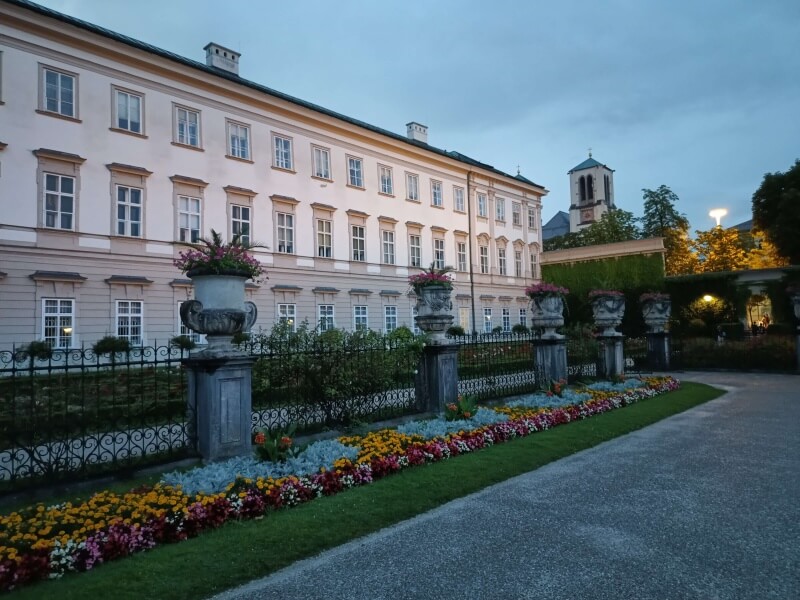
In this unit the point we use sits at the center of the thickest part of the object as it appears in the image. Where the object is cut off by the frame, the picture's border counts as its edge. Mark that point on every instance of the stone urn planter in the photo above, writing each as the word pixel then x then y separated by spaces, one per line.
pixel 547 312
pixel 219 310
pixel 656 310
pixel 608 308
pixel 434 308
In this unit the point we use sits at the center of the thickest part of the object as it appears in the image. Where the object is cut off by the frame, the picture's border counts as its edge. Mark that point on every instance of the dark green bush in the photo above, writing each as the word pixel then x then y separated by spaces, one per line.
pixel 697 327
pixel 497 329
pixel 111 345
pixel 519 328
pixel 38 350
pixel 731 331
pixel 455 331
pixel 781 329
pixel 182 342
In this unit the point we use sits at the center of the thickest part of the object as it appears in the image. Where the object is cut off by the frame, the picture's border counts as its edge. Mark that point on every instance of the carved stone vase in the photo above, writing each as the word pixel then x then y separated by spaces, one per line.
pixel 608 312
pixel 434 308
pixel 219 311
pixel 547 312
pixel 656 313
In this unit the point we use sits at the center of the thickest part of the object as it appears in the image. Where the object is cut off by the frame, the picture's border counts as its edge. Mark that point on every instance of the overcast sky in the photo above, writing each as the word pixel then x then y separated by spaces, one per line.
pixel 698 95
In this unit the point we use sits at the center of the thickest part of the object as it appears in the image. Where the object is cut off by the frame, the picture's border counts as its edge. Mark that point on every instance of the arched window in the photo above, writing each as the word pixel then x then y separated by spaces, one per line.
pixel 607 187
pixel 582 187
pixel 589 187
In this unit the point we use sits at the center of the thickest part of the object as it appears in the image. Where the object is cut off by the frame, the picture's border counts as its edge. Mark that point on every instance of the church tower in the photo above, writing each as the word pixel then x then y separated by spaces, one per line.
pixel 591 187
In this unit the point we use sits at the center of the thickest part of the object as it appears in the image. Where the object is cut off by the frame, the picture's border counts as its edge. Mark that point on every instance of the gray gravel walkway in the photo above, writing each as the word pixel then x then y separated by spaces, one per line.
pixel 701 505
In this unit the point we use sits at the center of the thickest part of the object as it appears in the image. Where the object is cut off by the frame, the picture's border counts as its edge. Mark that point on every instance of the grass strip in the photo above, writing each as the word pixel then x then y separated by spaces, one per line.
pixel 241 551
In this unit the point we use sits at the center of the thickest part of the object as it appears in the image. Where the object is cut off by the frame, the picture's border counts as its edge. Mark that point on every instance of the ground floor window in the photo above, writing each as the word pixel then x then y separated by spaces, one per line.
pixel 325 317
pixel 506 319
pixel 129 321
pixel 58 322
pixel 360 318
pixel 487 320
pixel 287 313
pixel 389 318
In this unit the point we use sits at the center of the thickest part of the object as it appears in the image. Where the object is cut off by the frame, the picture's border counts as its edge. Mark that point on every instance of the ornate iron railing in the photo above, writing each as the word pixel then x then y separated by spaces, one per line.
pixel 582 353
pixel 71 414
pixel 496 365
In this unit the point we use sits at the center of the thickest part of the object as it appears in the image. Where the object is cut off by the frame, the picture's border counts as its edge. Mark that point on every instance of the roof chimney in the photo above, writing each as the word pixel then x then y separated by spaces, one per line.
pixel 417 132
pixel 222 58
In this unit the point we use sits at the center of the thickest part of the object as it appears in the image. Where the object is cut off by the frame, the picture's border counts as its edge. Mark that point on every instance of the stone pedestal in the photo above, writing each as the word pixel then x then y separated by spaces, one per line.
pixel 437 378
pixel 220 405
pixel 611 358
pixel 550 359
pixel 658 350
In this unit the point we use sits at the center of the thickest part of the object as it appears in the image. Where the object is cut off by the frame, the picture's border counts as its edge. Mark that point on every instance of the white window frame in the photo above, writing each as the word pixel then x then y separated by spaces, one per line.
pixel 385 179
pixel 502 263
pixel 516 214
pixel 458 199
pixel 282 152
pixel 389 318
pixel 59 107
pixel 321 161
pixel 183 127
pixel 287 313
pixel 59 198
pixel 326 317
pixel 238 140
pixel 505 316
pixel 531 218
pixel 487 319
pixel 324 238
pixel 284 233
pixel 360 317
pixel 187 218
pixel 387 242
pixel 62 330
pixel 500 209
pixel 126 122
pixel 358 243
pixel 461 256
pixel 534 263
pixel 437 197
pixel 415 249
pixel 483 253
pixel 438 253
pixel 241 222
pixel 483 205
pixel 519 267
pixel 355 171
pixel 523 316
pixel 412 187
pixel 127 224
pixel 129 321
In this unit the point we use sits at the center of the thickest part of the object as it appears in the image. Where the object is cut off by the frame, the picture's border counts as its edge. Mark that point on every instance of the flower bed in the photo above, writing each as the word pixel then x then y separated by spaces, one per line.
pixel 48 541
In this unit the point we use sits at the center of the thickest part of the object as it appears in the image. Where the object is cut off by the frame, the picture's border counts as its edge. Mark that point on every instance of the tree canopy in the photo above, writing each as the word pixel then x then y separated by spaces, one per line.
pixel 719 250
pixel 615 225
pixel 662 219
pixel 776 211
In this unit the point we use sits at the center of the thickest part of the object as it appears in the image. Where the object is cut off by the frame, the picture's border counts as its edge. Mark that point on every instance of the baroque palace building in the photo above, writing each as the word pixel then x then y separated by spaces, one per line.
pixel 113 152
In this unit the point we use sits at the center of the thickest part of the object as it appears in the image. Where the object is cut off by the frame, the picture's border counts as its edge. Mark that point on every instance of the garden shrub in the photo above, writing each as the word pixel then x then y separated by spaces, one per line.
pixel 519 328
pixel 38 350
pixel 731 331
pixel 182 342
pixel 111 345
pixel 697 327
pixel 456 331
pixel 780 329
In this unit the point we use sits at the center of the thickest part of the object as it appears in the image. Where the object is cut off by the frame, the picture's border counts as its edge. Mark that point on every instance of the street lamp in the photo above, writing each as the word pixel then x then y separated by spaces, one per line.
pixel 717 214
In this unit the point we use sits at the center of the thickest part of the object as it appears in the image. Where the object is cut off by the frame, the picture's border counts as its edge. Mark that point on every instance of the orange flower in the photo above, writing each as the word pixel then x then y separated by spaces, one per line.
pixel 286 442
pixel 260 438
pixel 467 414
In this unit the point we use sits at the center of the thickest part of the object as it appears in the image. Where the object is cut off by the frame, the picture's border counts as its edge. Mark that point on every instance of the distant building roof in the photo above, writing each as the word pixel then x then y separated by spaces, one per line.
pixel 588 164
pixel 556 226
pixel 744 226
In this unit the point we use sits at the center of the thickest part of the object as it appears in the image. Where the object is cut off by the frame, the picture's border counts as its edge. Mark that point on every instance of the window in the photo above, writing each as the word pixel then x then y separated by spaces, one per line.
pixel 464 318
pixel 385 175
pixel 355 172
pixel 58 322
pixel 531 218
pixel 283 152
pixel 285 233
pixel 129 321
pixel 589 187
pixel 506 316
pixel 436 193
pixel 188 219
pixel 487 320
pixel 187 126
pixel 438 253
pixel 324 238
pixel 287 313
pixel 523 317
pixel 238 140
pixel 483 211
pixel 322 163
pixel 128 111
pixel 412 187
pixel 458 199
pixel 415 325
pixel 500 209
pixel 516 214
pixel 607 189
pixel 325 317
pixel 415 250
pixel 484 256
pixel 240 222
pixel 534 268
pixel 389 318
pixel 183 330
pixel 461 255
pixel 501 260
pixel 59 201
pixel 517 263
pixel 388 247
pixel 582 188
pixel 60 93
pixel 359 253
pixel 360 318
pixel 129 211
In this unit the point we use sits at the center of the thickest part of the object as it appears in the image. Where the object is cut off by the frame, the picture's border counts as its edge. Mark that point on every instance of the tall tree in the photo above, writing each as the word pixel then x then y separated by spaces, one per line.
pixel 776 211
pixel 763 254
pixel 615 225
pixel 662 219
pixel 719 250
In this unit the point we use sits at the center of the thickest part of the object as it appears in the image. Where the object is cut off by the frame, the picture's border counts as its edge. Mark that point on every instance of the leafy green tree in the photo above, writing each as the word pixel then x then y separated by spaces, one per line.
pixel 662 219
pixel 762 254
pixel 719 250
pixel 615 225
pixel 679 259
pixel 776 211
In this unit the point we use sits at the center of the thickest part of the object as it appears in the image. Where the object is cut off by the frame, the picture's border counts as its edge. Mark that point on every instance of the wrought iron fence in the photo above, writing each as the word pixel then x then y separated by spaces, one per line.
pixel 335 378
pixel 496 365
pixel 753 353
pixel 582 353
pixel 70 414
pixel 637 359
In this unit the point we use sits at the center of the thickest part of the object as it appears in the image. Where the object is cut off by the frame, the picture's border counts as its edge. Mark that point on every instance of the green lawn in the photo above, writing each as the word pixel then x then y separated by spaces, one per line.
pixel 239 552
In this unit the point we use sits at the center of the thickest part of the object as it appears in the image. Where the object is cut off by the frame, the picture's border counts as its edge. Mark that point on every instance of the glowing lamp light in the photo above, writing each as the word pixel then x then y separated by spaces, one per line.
pixel 708 298
pixel 717 214
pixel 67 330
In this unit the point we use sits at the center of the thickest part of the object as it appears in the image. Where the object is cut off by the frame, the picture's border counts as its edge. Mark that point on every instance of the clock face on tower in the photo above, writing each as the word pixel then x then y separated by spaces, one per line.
pixel 586 215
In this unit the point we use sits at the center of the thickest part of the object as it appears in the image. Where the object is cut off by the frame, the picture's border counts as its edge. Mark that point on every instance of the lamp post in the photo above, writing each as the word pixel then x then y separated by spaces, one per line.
pixel 717 214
